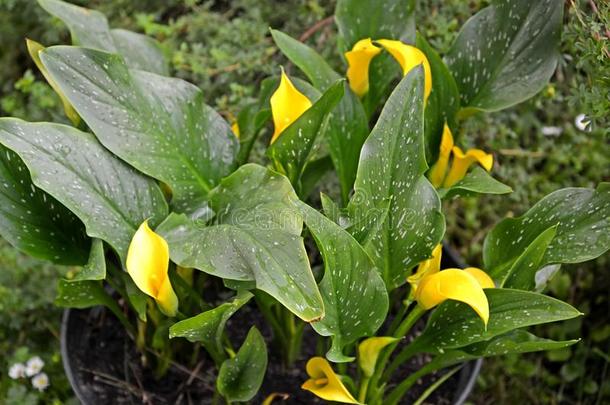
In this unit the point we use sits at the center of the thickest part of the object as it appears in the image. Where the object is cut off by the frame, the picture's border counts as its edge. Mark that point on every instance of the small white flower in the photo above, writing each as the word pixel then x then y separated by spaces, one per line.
pixel 551 131
pixel 40 381
pixel 34 366
pixel 582 123
pixel 16 371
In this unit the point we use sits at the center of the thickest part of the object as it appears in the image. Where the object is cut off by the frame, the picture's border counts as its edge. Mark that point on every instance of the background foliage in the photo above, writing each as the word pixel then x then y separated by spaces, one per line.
pixel 225 48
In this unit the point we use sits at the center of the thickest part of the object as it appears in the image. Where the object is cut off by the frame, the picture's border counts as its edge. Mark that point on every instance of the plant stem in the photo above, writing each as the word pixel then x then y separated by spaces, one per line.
pixel 436 384
pixel 401 331
pixel 364 386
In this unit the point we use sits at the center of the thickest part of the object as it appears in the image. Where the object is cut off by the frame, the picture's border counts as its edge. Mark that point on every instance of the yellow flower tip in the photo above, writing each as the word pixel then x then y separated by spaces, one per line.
pixel 439 169
pixel 483 278
pixel 462 162
pixel 359 60
pixel 235 129
pixel 287 105
pixel 276 395
pixel 453 284
pixel 147 264
pixel 426 268
pixel 409 57
pixel 369 350
pixel 324 383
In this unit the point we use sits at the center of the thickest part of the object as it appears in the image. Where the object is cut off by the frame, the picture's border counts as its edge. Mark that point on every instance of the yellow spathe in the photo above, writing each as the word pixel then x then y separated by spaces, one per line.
pixel 324 383
pixel 147 264
pixel 287 105
pixel 426 268
pixel 359 60
pixel 409 57
pixel 439 169
pixel 368 352
pixel 462 162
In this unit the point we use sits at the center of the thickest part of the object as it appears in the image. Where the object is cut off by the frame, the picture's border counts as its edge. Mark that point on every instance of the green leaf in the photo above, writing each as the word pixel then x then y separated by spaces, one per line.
pixel 522 273
pixel 391 170
pixel 506 53
pixel 294 145
pixel 82 294
pixel 240 378
pixel 582 217
pixel 515 342
pixel 375 19
pixel 33 221
pixel 314 66
pixel 354 294
pixel 313 173
pixel 108 196
pixel 208 327
pixel 89 28
pixel 95 268
pixel 477 181
pixel 453 324
pixel 159 125
pixel 255 236
pixel 251 120
pixel 443 102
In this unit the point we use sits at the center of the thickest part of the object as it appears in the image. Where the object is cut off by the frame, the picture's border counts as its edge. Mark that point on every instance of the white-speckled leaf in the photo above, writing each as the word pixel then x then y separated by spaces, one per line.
pixel 507 52
pixel 95 268
pixel 33 221
pixel 354 294
pixel 477 181
pixel 292 149
pixel 391 170
pixel 109 197
pixel 208 327
pixel 240 378
pixel 255 236
pixel 159 125
pixel 515 342
pixel 453 324
pixel 582 217
pixel 89 28
pixel 82 294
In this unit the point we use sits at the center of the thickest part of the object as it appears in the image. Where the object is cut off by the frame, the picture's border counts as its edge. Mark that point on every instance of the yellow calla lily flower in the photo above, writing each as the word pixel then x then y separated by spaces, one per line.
pixel 462 162
pixel 287 105
pixel 368 352
pixel 408 57
pixel 324 383
pixel 235 129
pixel 439 169
pixel 483 278
pixel 147 264
pixel 453 284
pixel 359 60
pixel 426 268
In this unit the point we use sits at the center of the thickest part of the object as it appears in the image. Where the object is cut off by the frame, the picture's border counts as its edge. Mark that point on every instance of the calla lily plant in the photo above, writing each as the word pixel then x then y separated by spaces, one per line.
pixel 335 235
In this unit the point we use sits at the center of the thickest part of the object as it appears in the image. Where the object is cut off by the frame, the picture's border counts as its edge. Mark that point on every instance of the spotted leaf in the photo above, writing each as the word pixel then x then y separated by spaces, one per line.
pixel 506 53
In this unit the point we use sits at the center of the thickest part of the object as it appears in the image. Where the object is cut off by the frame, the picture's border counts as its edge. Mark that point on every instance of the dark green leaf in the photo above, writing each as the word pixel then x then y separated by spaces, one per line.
pixel 208 327
pixel 309 61
pixel 391 170
pixel 89 28
pixel 255 236
pixel 582 217
pixel 294 145
pixel 82 294
pixel 453 324
pixel 159 125
pixel 108 196
pixel 314 172
pixel 354 294
pixel 375 19
pixel 33 221
pixel 506 53
pixel 522 273
pixel 240 378
pixel 95 269
pixel 477 181
pixel 443 102
pixel 515 342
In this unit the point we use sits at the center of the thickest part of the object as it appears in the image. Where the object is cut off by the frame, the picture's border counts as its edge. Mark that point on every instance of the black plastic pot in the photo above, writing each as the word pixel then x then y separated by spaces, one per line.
pixel 74 332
